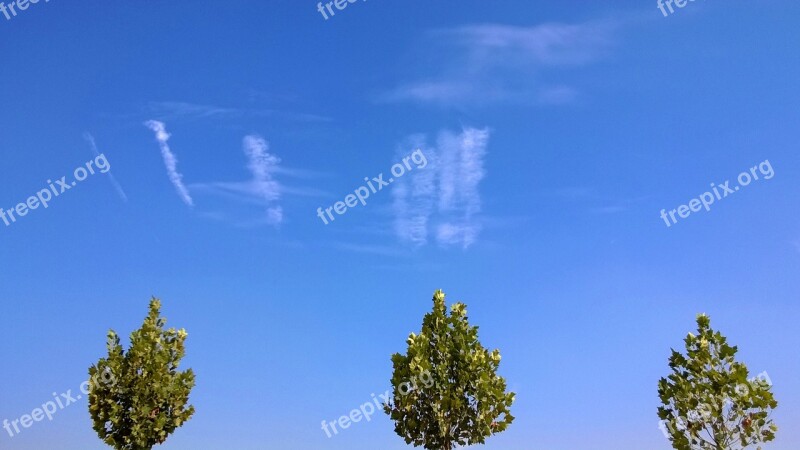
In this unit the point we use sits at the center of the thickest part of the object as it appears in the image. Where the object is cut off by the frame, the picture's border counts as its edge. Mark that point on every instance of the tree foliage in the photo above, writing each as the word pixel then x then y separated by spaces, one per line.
pixel 464 401
pixel 708 401
pixel 147 400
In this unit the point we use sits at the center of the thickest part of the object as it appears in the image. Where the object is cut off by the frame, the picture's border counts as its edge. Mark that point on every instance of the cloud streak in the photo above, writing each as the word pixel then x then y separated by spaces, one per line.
pixel 263 189
pixel 175 110
pixel 461 172
pixel 491 63
pixel 170 161
pixel 445 197
pixel 414 196
pixel 263 165
pixel 117 187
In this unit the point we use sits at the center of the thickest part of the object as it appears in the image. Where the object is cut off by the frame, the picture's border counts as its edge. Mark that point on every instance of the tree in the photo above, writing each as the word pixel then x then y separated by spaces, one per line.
pixel 708 401
pixel 463 401
pixel 147 400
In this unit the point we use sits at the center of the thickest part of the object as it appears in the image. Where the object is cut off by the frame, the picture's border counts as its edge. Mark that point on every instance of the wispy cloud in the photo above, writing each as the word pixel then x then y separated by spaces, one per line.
pixel 89 138
pixel 489 63
pixel 381 250
pixel 264 189
pixel 262 165
pixel 173 110
pixel 445 197
pixel 550 44
pixel 177 110
pixel 608 209
pixel 414 197
pixel 170 161
pixel 249 191
pixel 593 202
pixel 461 171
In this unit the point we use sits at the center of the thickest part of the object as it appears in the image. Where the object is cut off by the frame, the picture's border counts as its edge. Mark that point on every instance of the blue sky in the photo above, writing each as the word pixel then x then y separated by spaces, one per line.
pixel 556 134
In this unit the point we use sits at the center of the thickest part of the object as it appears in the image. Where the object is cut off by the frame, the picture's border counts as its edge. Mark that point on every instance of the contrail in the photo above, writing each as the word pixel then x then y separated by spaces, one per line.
pixel 169 160
pixel 262 165
pixel 111 178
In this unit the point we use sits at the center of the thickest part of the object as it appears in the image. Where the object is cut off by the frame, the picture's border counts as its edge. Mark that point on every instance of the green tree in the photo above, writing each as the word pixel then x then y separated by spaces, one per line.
pixel 463 400
pixel 147 400
pixel 708 401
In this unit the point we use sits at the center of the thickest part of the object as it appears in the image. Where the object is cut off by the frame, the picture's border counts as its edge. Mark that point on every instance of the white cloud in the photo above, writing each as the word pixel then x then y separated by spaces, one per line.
pixel 490 63
pixel 117 187
pixel 263 165
pixel 370 249
pixel 454 234
pixel 414 195
pixel 170 161
pixel 173 110
pixel 550 44
pixel 462 169
pixel 263 189
pixel 444 196
pixel 251 192
pixel 461 172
